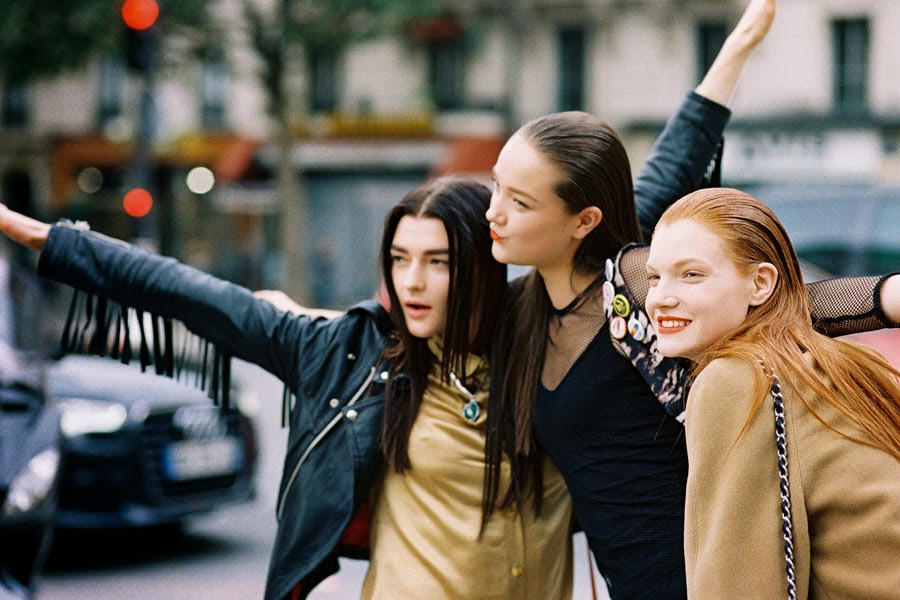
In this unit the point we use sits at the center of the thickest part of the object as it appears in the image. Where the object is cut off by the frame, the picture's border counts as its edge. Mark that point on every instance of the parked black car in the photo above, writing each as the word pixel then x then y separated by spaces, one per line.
pixel 29 463
pixel 30 438
pixel 144 449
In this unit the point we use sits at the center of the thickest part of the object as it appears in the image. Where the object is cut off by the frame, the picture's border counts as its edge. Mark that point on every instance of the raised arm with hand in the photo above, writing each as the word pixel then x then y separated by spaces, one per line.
pixel 685 152
pixel 721 80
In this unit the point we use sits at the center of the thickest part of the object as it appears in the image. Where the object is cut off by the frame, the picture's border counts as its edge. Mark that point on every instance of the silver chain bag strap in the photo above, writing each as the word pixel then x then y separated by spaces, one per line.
pixel 781 448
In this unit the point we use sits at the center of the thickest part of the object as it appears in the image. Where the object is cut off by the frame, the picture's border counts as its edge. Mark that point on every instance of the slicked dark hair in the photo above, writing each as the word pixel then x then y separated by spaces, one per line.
pixel 595 172
pixel 476 306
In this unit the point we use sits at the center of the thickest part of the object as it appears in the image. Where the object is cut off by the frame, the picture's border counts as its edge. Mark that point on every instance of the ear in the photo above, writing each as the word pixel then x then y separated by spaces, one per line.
pixel 587 221
pixel 763 283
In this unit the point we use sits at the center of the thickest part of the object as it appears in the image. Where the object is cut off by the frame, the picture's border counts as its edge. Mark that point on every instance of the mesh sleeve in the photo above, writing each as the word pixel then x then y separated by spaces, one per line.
pixel 847 305
pixel 839 306
pixel 633 267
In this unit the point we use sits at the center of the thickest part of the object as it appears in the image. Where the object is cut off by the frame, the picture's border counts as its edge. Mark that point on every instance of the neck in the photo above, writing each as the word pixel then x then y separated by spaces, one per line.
pixel 563 285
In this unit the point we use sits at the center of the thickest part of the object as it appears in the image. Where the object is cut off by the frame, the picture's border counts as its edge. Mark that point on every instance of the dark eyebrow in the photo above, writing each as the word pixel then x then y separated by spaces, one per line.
pixel 433 252
pixel 515 190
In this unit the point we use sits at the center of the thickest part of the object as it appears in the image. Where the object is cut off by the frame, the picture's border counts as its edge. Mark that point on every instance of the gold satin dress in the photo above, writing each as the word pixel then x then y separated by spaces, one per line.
pixel 425 523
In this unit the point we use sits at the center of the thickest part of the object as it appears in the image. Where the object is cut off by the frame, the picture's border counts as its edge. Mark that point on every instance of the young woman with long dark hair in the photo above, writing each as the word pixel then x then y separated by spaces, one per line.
pixel 391 408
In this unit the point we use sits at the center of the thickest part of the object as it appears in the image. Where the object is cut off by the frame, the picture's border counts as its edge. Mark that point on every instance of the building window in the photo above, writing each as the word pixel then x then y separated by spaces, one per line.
pixel 15 105
pixel 324 77
pixel 214 86
pixel 710 37
pixel 572 43
pixel 112 81
pixel 445 61
pixel 850 38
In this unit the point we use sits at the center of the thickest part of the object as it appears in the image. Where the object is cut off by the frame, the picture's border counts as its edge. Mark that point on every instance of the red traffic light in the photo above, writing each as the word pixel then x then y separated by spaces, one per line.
pixel 140 14
pixel 137 202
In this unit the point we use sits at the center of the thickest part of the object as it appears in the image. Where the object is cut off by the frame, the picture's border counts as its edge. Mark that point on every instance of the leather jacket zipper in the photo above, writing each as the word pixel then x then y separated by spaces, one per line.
pixel 328 427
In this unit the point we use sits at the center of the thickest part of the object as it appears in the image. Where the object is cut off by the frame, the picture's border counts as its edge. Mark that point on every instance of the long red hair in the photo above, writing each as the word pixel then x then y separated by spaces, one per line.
pixel 859 381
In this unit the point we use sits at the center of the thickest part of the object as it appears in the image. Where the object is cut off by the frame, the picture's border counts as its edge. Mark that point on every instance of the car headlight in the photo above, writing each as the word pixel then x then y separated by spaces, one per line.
pixel 80 416
pixel 33 484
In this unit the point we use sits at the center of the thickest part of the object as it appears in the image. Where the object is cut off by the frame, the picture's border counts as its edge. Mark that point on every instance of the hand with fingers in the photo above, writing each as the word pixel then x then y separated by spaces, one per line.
pixel 721 79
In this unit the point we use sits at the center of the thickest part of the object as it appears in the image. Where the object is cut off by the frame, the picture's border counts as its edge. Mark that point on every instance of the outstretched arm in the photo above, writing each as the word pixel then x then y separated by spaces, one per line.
pixel 217 310
pixel 890 299
pixel 854 304
pixel 22 229
pixel 839 306
pixel 685 152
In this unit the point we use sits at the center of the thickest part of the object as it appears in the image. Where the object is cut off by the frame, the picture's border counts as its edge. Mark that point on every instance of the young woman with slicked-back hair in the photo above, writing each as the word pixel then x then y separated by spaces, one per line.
pixel 732 301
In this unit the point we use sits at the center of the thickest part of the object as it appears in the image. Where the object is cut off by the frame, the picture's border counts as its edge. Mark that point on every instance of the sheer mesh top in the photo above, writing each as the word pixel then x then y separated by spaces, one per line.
pixel 839 307
pixel 570 332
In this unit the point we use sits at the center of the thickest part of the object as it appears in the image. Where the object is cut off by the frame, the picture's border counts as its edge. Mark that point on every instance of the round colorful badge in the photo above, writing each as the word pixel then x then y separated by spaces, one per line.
pixel 621 305
pixel 618 328
pixel 635 328
pixel 608 293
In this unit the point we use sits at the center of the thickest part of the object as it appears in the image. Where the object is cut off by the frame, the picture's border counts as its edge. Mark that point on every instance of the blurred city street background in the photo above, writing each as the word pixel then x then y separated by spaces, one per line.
pixel 264 140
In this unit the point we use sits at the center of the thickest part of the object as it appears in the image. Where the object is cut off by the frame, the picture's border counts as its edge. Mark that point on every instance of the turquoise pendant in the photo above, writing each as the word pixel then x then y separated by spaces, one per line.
pixel 471 411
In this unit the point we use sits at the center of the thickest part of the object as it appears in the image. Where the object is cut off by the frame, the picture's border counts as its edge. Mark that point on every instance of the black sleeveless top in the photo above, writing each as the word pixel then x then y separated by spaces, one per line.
pixel 625 463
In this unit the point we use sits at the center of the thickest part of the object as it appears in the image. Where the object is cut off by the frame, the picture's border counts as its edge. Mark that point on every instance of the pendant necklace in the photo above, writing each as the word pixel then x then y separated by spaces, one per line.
pixel 472 410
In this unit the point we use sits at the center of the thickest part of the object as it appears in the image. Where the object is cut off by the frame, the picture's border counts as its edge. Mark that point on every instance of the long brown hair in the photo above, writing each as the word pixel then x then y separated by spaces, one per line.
pixel 595 172
pixel 863 384
pixel 476 307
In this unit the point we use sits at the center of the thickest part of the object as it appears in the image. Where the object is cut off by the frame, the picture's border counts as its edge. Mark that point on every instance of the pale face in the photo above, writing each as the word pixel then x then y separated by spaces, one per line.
pixel 697 294
pixel 420 271
pixel 529 222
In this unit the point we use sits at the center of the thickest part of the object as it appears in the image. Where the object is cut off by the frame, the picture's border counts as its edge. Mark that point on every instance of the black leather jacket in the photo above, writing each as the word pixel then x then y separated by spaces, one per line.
pixel 331 366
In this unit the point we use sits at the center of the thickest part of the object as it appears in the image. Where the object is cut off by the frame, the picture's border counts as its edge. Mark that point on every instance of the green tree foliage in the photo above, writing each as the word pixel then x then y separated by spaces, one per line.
pixel 317 25
pixel 329 24
pixel 42 38
pixel 276 31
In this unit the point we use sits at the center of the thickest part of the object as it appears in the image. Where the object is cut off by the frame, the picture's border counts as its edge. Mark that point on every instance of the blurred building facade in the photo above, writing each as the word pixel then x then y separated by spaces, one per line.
pixel 817 106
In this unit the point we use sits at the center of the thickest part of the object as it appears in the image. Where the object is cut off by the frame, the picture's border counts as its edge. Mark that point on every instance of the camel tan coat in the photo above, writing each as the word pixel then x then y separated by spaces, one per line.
pixel 845 498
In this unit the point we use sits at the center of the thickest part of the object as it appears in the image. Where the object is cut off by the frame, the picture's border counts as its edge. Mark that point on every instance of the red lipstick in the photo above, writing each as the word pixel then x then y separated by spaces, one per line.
pixel 666 325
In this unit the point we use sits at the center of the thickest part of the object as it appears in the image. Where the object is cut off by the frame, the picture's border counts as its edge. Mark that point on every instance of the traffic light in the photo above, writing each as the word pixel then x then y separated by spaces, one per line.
pixel 140 18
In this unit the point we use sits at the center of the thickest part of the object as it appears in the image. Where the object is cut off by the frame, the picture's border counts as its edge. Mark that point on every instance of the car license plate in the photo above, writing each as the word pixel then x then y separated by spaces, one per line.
pixel 199 459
